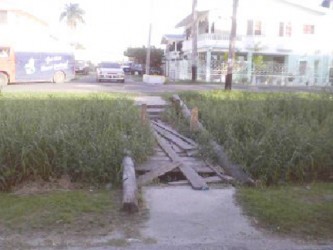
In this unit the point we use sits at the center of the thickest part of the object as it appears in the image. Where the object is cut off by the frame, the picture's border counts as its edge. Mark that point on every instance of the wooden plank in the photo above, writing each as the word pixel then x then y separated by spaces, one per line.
pixel 130 189
pixel 148 177
pixel 160 158
pixel 210 179
pixel 196 180
pixel 171 130
pixel 151 165
pixel 174 139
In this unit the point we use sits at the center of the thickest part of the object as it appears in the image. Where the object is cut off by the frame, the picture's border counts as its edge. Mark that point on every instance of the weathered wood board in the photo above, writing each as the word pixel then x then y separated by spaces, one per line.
pixel 161 170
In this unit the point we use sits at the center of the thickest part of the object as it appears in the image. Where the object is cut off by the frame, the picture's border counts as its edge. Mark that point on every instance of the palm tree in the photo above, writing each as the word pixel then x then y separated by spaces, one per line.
pixel 228 80
pixel 73 15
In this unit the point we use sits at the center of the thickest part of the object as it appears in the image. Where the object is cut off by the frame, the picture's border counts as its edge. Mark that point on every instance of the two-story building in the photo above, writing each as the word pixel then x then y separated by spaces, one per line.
pixel 277 42
pixel 23 30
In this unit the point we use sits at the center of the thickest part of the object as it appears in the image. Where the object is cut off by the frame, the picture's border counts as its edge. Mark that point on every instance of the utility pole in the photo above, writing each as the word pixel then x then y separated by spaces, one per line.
pixel 149 40
pixel 232 42
pixel 194 40
pixel 148 52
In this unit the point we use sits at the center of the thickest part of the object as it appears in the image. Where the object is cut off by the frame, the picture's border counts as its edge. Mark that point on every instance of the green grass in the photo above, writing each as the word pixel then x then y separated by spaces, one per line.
pixel 52 210
pixel 83 136
pixel 303 211
pixel 277 137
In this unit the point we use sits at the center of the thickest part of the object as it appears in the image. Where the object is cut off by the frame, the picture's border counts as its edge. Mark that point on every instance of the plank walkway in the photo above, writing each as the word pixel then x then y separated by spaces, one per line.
pixel 175 153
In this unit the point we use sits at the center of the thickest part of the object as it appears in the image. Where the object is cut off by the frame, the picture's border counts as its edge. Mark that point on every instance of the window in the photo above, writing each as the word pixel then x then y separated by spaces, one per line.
pixel 285 29
pixel 302 67
pixel 308 29
pixel 4 52
pixel 3 17
pixel 254 28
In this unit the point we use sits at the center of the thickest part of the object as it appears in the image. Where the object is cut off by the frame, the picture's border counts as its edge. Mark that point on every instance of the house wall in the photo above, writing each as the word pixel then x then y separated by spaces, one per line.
pixel 310 51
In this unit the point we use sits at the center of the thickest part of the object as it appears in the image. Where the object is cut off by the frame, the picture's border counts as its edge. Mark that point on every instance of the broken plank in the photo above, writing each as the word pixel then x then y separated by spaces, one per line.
pixel 148 177
pixel 210 179
pixel 174 139
pixel 171 130
pixel 195 179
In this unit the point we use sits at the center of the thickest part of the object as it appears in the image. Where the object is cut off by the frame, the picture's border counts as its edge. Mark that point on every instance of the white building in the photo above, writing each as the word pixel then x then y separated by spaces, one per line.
pixel 24 31
pixel 284 42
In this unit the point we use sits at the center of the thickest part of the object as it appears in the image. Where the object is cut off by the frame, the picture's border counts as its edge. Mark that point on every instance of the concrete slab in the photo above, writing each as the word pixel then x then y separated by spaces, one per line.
pixel 150 100
pixel 182 218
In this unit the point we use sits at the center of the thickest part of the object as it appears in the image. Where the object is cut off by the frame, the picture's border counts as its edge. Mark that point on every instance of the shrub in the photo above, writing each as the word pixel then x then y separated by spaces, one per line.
pixel 82 136
pixel 277 137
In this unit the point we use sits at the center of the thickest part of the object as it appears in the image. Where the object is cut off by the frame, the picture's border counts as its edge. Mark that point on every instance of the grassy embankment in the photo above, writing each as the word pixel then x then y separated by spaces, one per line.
pixel 83 137
pixel 281 140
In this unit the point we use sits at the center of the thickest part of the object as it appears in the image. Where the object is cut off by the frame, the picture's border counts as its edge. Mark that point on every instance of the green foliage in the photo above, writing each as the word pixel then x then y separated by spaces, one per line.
pixel 51 209
pixel 301 211
pixel 82 136
pixel 139 55
pixel 277 137
pixel 73 14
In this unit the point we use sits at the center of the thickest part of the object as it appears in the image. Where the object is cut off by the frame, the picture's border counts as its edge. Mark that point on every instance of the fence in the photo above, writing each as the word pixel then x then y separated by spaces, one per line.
pixel 267 73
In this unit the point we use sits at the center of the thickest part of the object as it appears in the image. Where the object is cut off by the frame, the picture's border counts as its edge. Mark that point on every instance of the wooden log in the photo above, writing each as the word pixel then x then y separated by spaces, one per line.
pixel 194 178
pixel 234 170
pixel 130 189
pixel 148 177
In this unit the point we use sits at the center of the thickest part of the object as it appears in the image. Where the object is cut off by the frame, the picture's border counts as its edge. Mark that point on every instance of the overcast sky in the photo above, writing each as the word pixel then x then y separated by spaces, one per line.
pixel 113 25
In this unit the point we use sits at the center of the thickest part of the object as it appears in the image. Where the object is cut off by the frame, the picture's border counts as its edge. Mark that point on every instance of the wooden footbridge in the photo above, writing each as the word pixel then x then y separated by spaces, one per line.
pixel 174 155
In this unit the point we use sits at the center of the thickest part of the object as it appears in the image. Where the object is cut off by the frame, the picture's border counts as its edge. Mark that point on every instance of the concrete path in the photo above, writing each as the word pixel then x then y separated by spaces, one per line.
pixel 181 218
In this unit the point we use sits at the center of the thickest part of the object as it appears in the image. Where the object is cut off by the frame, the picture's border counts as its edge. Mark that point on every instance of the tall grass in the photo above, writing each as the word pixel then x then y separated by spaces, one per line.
pixel 277 137
pixel 82 136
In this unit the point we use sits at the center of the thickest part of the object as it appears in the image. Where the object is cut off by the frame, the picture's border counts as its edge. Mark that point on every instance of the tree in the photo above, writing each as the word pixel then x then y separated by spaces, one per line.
pixel 73 15
pixel 232 41
pixel 139 55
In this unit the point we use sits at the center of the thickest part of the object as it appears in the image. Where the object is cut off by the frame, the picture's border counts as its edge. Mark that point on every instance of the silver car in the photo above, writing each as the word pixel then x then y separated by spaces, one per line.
pixel 110 71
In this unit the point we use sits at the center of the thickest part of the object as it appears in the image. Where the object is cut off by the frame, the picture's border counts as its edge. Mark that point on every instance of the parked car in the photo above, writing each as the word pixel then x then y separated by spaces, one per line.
pixel 126 67
pixel 81 67
pixel 110 71
pixel 137 69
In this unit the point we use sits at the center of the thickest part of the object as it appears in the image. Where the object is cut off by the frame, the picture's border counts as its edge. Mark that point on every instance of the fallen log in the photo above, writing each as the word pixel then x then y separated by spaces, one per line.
pixel 234 170
pixel 130 189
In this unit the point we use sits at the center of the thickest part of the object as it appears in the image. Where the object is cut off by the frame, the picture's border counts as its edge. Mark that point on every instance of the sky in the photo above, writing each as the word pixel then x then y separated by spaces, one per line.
pixel 114 25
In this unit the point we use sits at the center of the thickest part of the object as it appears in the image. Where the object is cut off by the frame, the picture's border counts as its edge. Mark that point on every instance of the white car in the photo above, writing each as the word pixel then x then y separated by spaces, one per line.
pixel 110 71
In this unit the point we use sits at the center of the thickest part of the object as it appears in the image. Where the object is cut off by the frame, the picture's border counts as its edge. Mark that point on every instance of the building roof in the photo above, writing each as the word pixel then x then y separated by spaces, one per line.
pixel 172 37
pixel 9 7
pixel 187 20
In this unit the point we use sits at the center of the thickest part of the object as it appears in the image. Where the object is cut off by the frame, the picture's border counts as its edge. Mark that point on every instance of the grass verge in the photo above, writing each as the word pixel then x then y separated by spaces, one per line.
pixel 82 136
pixel 301 211
pixel 57 209
pixel 277 137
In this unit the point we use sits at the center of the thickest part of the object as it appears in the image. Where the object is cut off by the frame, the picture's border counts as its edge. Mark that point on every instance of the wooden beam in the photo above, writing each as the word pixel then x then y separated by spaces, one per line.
pixel 130 189
pixel 148 177
pixel 169 129
pixel 174 139
pixel 210 179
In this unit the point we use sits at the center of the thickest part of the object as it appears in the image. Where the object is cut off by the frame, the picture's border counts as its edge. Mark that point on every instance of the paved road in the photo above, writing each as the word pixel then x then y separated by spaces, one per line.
pixel 88 84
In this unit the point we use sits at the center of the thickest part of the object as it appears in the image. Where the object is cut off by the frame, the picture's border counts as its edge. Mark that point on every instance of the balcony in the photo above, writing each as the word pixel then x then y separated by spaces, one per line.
pixel 265 44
